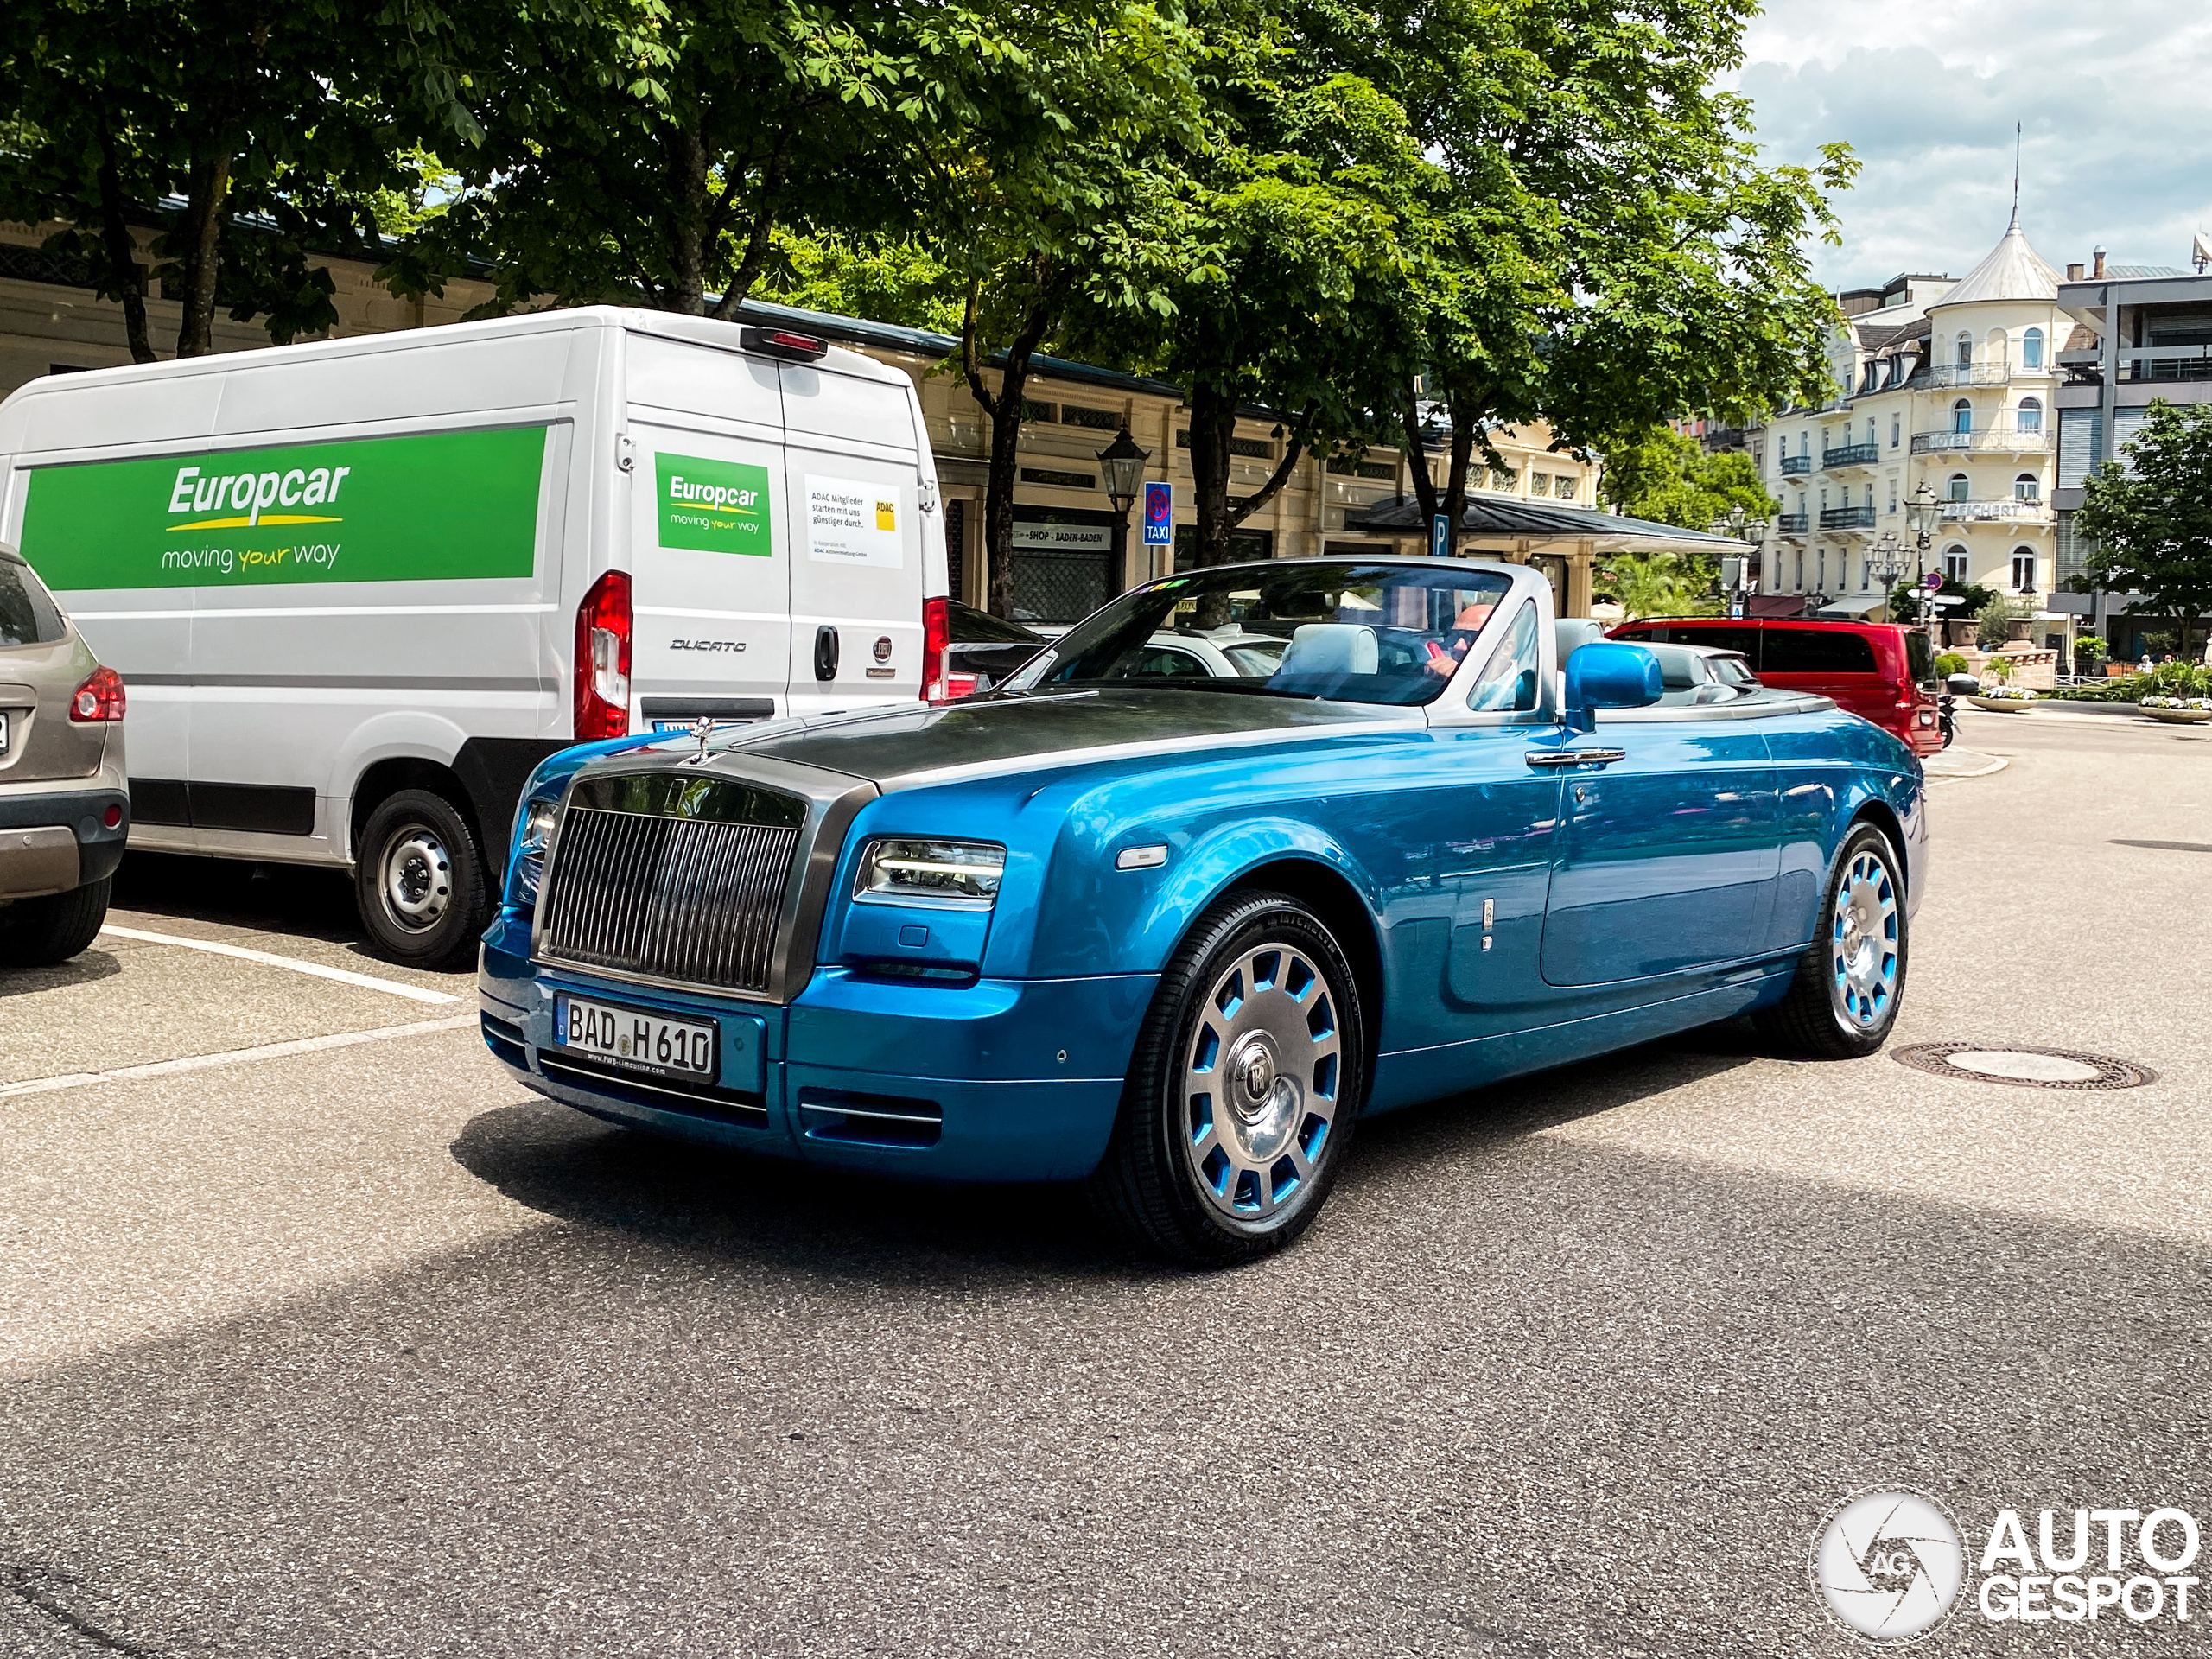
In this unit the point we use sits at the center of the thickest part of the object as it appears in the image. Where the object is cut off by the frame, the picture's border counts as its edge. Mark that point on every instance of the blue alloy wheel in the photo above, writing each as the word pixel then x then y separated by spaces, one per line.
pixel 1243 1088
pixel 1843 1000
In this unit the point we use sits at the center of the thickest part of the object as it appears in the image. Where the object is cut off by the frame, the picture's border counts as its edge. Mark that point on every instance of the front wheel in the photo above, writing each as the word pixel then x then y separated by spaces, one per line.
pixel 1849 984
pixel 1243 1090
pixel 419 883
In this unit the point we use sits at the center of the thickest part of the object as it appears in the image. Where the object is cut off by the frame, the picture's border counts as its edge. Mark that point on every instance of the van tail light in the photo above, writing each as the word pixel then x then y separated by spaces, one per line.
pixel 100 698
pixel 937 635
pixel 602 664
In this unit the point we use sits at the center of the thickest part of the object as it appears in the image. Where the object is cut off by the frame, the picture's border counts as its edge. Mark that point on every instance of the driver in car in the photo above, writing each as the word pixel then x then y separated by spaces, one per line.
pixel 1445 654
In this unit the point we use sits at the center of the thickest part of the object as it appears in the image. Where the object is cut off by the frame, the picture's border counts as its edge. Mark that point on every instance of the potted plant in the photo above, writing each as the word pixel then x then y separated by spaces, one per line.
pixel 2089 654
pixel 1993 625
pixel 2002 697
pixel 1948 663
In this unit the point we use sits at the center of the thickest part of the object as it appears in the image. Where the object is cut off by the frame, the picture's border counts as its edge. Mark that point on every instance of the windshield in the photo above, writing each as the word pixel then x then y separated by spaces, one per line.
pixel 1351 632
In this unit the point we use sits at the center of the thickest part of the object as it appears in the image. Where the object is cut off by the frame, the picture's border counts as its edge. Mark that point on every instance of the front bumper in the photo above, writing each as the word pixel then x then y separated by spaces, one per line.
pixel 999 1080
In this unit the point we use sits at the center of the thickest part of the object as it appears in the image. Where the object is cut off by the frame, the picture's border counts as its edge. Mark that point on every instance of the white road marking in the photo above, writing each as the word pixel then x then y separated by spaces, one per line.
pixel 366 982
pixel 235 1057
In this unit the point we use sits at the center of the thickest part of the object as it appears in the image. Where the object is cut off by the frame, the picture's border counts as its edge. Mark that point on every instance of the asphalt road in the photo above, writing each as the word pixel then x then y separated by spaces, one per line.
pixel 355 1348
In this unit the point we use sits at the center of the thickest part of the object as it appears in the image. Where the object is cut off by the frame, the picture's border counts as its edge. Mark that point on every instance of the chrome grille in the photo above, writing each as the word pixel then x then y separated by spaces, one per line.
pixel 693 899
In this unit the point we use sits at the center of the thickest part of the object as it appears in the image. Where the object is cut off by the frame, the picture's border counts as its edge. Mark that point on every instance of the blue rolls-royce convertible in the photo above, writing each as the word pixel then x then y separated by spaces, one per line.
pixel 1176 935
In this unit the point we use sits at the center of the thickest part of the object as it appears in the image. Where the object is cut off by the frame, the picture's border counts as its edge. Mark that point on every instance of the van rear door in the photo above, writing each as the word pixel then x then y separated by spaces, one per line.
pixel 857 579
pixel 710 531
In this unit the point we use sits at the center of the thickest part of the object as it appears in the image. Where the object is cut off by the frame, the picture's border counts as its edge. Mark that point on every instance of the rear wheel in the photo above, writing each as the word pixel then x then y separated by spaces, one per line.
pixel 1843 1003
pixel 1243 1089
pixel 39 933
pixel 419 882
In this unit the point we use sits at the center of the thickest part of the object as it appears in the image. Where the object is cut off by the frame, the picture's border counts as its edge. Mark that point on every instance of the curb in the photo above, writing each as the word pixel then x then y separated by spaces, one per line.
pixel 1991 763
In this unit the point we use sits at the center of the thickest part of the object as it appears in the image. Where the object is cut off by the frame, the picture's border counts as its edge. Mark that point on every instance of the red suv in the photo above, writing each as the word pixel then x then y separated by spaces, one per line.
pixel 1878 670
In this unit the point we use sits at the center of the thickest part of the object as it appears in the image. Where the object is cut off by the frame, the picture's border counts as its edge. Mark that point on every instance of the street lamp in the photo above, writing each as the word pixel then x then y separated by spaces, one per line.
pixel 1736 578
pixel 1922 511
pixel 1124 465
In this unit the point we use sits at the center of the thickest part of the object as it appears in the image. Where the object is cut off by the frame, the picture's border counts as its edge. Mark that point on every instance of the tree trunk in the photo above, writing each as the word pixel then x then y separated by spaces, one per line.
pixel 206 205
pixel 1003 410
pixel 1213 422
pixel 1454 505
pixel 687 252
pixel 125 274
pixel 1417 460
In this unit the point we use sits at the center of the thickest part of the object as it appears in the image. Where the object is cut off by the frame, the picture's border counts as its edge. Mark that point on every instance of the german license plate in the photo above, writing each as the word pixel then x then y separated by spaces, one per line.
pixel 636 1040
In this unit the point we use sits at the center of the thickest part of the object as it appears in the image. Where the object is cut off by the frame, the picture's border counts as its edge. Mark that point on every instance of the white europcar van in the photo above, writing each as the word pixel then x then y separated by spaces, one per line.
pixel 359 588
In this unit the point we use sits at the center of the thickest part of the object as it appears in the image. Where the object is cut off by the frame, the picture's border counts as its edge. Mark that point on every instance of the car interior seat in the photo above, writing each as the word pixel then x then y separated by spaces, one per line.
pixel 1323 648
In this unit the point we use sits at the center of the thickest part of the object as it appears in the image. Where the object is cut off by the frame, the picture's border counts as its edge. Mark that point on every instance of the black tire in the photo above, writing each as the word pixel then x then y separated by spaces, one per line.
pixel 39 933
pixel 1817 1021
pixel 419 882
pixel 1151 1182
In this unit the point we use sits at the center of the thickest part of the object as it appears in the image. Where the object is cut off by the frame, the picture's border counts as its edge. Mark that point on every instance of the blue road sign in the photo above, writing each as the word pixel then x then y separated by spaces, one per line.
pixel 1160 515
pixel 1439 537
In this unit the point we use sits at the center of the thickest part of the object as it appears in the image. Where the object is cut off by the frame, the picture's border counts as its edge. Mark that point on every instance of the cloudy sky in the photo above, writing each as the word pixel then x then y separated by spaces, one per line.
pixel 2111 95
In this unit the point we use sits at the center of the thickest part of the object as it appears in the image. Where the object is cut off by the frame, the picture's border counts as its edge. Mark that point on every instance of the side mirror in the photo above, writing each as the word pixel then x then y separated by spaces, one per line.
pixel 1606 674
pixel 1962 685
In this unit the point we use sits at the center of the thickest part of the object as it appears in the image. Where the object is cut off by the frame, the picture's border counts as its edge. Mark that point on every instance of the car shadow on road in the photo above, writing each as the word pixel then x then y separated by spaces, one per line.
pixel 268 898
pixel 772 1211
pixel 80 970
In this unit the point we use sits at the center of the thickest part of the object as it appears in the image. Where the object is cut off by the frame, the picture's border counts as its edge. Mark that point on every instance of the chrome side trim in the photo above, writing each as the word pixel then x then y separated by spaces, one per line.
pixel 1574 757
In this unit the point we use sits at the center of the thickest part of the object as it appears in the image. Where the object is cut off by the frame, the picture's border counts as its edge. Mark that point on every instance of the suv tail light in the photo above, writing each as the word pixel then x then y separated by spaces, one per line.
pixel 602 664
pixel 100 698
pixel 937 634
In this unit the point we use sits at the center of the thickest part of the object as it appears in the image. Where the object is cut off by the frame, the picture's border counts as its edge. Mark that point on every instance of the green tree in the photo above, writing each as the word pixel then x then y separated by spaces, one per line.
pixel 252 139
pixel 1670 479
pixel 1610 252
pixel 1659 584
pixel 2151 520
pixel 1288 227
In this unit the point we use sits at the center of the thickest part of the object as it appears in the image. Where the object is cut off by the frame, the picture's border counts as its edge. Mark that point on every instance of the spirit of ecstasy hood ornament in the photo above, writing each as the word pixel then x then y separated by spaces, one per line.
pixel 702 729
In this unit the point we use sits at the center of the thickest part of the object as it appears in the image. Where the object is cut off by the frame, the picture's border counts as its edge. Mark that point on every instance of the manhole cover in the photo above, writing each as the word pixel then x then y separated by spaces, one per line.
pixel 2031 1068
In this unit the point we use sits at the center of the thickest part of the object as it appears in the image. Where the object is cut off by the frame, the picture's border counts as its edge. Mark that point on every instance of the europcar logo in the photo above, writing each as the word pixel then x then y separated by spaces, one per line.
pixel 1888 1565
pixel 249 495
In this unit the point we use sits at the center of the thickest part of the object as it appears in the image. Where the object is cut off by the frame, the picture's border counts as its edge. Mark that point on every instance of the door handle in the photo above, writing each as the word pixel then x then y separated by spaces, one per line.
pixel 1575 757
pixel 825 653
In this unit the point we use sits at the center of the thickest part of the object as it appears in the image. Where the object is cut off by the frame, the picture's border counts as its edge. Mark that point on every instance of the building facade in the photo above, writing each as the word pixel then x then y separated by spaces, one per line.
pixel 1942 382
pixel 2141 332
pixel 1066 561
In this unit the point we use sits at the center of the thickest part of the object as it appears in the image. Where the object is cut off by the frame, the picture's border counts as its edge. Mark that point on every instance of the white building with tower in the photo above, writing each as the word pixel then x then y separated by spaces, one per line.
pixel 1943 383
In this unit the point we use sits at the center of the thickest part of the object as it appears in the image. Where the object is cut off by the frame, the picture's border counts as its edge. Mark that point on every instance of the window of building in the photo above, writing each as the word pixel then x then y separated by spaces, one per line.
pixel 1954 565
pixel 1539 483
pixel 1504 477
pixel 2032 349
pixel 1999 350
pixel 1962 415
pixel 1869 498
pixel 2030 414
pixel 1098 420
pixel 1963 355
pixel 2024 487
pixel 1893 496
pixel 1033 411
pixel 2023 570
pixel 1955 487
pixel 1824 500
pixel 1800 570
pixel 1866 575
pixel 1820 573
pixel 1785 445
pixel 1871 439
pixel 1897 429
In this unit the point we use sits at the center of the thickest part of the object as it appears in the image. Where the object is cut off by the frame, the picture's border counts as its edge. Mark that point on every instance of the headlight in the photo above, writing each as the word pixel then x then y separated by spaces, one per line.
pixel 944 872
pixel 533 834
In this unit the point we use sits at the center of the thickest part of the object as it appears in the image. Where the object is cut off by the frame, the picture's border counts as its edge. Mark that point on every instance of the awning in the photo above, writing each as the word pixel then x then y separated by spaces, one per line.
pixel 1774 608
pixel 1854 606
pixel 1541 527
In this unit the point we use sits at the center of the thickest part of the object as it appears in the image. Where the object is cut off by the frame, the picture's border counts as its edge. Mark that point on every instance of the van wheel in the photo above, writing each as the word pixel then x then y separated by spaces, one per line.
pixel 1243 1089
pixel 39 933
pixel 420 883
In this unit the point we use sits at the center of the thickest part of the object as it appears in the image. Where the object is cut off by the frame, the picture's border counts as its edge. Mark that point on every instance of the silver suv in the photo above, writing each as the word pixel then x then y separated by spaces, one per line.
pixel 65 805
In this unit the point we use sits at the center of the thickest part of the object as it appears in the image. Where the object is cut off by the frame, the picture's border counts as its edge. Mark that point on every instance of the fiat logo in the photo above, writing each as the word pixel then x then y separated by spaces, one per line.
pixel 883 649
